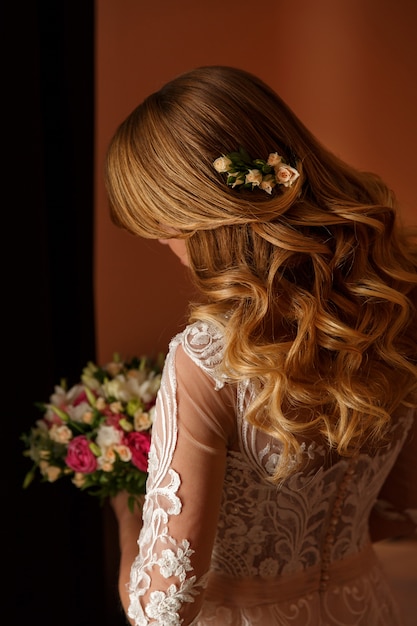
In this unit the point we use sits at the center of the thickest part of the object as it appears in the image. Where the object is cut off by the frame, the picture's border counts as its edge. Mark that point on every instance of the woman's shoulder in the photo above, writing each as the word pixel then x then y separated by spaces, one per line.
pixel 203 343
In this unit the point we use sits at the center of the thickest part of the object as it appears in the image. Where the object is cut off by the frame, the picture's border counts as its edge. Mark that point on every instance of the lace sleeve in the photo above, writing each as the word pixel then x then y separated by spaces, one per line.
pixel 186 468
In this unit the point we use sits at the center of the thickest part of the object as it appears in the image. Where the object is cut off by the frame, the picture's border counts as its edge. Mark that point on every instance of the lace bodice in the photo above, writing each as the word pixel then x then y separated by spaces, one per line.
pixel 221 544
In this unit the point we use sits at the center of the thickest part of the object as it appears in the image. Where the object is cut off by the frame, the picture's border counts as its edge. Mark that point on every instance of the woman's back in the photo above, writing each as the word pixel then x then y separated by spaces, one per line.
pixel 295 553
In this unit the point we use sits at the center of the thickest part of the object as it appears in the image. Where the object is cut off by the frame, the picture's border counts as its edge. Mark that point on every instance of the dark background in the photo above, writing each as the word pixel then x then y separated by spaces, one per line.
pixel 58 560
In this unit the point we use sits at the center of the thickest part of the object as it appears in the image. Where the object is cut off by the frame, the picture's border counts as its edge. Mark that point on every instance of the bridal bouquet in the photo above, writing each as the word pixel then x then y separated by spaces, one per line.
pixel 97 433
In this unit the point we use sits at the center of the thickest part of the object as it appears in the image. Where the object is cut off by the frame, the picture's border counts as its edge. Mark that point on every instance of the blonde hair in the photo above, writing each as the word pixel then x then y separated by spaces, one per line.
pixel 314 285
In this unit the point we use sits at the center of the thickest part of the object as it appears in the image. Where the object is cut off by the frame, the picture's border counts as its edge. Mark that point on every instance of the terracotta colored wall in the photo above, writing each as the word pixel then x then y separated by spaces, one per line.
pixel 348 68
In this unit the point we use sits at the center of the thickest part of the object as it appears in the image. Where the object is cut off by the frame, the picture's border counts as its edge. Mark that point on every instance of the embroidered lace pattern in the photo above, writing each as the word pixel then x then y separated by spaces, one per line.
pixel 286 541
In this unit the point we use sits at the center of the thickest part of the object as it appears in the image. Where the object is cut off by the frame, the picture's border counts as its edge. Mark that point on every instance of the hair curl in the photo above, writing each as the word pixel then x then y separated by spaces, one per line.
pixel 314 285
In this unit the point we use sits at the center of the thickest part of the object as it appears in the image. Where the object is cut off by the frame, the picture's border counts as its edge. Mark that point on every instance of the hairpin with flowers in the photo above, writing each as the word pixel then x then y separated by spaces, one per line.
pixel 244 172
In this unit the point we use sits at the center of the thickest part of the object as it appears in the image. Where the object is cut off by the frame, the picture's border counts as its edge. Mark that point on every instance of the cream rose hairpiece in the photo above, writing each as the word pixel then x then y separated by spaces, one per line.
pixel 245 173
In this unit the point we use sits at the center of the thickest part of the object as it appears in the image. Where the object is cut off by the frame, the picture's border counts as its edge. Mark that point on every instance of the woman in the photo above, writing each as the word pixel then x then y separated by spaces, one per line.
pixel 286 425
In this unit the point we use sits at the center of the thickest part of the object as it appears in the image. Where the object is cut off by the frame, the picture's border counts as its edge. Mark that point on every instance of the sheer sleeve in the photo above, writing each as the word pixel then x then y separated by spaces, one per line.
pixel 395 512
pixel 192 428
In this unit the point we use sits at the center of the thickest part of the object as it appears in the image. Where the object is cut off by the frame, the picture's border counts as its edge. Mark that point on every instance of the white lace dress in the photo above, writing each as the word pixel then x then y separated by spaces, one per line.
pixel 221 546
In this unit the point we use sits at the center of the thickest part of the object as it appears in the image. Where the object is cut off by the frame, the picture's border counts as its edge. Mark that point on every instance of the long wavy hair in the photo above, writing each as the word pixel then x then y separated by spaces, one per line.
pixel 315 286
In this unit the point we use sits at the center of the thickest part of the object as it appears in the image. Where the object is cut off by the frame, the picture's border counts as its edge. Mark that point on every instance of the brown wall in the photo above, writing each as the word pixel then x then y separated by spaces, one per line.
pixel 348 68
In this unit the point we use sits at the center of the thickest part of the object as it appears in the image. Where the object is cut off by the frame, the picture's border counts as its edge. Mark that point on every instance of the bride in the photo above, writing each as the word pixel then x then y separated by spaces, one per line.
pixel 285 433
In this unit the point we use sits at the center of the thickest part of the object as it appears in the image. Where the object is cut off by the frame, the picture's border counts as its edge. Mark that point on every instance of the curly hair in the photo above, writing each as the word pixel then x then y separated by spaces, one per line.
pixel 314 285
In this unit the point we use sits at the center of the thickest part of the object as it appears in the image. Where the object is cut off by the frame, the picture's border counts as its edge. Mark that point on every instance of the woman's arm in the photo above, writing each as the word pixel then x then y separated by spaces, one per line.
pixel 388 524
pixel 395 512
pixel 167 569
pixel 129 525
